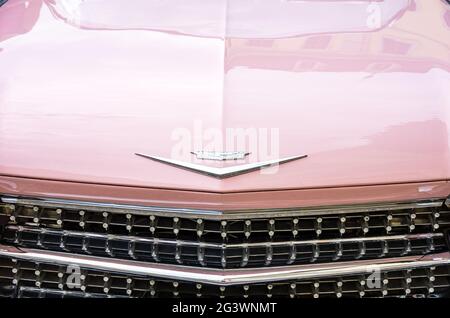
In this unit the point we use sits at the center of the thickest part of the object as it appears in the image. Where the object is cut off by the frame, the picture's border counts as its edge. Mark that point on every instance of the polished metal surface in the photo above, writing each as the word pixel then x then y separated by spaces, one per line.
pixel 221 156
pixel 217 214
pixel 225 172
pixel 225 277
pixel 35 292
pixel 224 245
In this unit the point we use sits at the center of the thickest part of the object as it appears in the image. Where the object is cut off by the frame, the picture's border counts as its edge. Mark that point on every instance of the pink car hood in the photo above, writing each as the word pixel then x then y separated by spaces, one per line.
pixel 86 86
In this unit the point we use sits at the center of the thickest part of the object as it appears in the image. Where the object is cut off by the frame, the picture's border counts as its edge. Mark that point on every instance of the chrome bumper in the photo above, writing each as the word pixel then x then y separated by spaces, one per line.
pixel 226 277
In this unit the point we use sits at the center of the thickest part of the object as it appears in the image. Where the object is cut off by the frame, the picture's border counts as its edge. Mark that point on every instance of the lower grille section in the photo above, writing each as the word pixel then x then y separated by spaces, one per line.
pixel 20 278
pixel 35 273
pixel 231 256
pixel 55 248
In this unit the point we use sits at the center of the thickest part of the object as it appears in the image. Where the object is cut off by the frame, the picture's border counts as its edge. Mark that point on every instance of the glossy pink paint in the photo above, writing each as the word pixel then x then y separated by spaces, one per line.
pixel 78 97
pixel 223 201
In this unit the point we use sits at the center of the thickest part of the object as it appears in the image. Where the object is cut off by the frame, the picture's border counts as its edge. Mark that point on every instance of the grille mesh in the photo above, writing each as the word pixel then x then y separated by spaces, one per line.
pixel 378 223
pixel 230 243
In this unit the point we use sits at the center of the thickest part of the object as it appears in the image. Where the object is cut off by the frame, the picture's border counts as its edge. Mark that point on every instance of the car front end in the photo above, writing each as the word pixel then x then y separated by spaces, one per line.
pixel 224 149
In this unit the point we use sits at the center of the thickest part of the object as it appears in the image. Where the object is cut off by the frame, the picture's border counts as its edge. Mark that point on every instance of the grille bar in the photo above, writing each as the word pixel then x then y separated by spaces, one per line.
pixel 237 230
pixel 218 214
pixel 43 231
pixel 224 255
pixel 36 292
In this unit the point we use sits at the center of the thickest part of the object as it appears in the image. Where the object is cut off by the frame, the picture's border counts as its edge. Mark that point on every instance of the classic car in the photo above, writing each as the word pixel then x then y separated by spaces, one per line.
pixel 224 148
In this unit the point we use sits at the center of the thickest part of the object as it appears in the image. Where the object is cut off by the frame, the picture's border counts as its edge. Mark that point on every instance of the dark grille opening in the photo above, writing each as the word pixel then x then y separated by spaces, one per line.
pixel 250 242
pixel 28 279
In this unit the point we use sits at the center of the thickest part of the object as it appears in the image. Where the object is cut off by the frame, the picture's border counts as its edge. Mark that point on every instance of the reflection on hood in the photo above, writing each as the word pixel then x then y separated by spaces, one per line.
pixel 231 18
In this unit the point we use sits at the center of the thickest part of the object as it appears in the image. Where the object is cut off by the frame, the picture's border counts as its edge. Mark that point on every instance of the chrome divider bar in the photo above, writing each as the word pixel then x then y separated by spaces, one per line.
pixel 219 215
pixel 224 245
pixel 225 277
pixel 78 294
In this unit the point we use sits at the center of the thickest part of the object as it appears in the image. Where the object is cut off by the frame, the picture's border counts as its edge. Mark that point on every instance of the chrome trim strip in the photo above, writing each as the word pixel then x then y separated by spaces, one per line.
pixel 227 276
pixel 223 246
pixel 217 214
pixel 220 156
pixel 101 207
pixel 71 293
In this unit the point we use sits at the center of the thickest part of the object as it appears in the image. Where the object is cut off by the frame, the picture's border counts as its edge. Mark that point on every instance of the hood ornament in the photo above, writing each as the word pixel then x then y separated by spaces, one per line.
pixel 222 172
pixel 215 155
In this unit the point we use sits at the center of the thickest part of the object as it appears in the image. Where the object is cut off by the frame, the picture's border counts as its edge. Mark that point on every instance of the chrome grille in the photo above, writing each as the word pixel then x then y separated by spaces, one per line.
pixel 269 239
pixel 20 278
pixel 253 254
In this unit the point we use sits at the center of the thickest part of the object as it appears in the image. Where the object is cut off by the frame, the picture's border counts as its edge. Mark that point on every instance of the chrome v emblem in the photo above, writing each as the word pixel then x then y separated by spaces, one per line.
pixel 222 173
